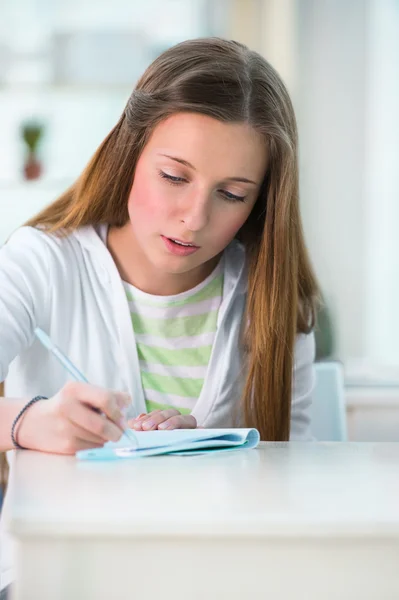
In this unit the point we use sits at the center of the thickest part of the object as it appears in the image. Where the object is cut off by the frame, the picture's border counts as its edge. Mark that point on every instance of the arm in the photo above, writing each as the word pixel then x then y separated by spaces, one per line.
pixel 303 384
pixel 65 423
pixel 23 271
pixel 9 408
pixel 24 292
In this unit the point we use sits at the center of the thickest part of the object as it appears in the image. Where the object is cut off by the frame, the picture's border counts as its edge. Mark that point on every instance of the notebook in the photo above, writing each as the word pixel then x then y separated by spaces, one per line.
pixel 182 442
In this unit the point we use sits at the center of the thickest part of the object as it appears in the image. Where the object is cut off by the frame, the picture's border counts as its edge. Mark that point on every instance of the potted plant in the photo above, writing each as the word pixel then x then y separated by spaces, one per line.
pixel 32 133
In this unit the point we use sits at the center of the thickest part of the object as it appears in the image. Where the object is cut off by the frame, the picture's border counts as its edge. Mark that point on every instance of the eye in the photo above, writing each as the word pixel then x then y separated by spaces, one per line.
pixel 171 178
pixel 232 197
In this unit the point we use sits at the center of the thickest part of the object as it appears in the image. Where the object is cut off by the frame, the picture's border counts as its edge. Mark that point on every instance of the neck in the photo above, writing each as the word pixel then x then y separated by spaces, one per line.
pixel 134 268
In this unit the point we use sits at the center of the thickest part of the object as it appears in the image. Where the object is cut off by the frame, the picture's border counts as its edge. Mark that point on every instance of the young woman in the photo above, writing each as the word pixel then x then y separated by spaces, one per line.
pixel 173 273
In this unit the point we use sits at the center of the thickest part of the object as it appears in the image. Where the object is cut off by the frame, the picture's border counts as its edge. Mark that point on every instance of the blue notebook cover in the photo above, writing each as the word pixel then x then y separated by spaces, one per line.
pixel 178 441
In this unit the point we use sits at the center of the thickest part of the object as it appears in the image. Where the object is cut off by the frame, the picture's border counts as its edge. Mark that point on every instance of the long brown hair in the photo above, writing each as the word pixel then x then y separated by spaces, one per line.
pixel 227 81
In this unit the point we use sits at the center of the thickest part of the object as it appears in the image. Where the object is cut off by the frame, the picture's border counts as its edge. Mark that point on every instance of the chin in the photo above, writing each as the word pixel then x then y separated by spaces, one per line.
pixel 174 267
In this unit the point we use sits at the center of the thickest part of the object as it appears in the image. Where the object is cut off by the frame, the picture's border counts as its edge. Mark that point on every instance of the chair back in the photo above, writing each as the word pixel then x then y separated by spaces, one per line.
pixel 328 411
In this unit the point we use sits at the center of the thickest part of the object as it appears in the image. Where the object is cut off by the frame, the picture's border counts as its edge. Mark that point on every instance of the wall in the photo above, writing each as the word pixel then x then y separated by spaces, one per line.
pixel 331 113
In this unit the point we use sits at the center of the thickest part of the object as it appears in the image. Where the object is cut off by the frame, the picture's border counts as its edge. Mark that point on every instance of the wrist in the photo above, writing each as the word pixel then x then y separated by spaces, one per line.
pixel 28 423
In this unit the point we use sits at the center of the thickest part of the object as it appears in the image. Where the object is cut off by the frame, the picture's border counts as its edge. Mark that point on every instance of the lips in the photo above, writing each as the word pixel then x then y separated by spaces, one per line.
pixel 182 243
pixel 179 247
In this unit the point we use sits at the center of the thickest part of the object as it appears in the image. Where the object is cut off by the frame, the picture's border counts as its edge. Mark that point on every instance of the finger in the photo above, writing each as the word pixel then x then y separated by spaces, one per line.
pixel 74 431
pixel 154 419
pixel 94 423
pixel 179 422
pixel 137 423
pixel 133 424
pixel 85 445
pixel 74 445
pixel 143 416
pixel 109 402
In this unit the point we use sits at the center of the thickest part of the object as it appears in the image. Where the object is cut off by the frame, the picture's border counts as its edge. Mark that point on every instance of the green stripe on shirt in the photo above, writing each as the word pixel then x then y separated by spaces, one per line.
pixel 182 357
pixel 176 327
pixel 180 386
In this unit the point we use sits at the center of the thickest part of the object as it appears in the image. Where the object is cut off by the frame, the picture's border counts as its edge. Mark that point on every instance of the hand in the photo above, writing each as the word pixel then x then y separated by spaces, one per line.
pixel 162 419
pixel 79 416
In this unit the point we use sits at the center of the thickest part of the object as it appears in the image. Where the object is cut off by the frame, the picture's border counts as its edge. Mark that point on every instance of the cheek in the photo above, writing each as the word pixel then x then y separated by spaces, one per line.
pixel 144 202
pixel 228 227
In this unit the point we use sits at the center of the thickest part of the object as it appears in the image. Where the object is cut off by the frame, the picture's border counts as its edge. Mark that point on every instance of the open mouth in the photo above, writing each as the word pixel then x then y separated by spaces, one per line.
pixel 185 244
pixel 178 247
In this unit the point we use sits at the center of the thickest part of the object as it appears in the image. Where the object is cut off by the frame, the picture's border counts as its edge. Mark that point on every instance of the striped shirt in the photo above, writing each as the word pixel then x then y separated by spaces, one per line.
pixel 174 336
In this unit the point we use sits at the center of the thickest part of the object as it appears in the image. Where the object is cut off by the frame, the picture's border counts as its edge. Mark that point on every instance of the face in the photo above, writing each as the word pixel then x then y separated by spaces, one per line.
pixel 195 185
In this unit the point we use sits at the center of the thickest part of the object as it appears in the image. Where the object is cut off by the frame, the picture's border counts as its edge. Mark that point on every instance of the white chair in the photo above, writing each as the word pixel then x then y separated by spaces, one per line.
pixel 328 412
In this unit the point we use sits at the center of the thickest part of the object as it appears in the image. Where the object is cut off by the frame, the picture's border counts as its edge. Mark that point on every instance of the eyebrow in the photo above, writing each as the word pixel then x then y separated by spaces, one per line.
pixel 190 166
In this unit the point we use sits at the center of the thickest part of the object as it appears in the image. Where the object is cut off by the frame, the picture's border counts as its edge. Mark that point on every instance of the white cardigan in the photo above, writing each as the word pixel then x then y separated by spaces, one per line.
pixel 71 288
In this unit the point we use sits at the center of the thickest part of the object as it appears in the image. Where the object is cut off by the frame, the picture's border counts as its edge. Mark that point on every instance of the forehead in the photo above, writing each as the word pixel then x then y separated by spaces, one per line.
pixel 237 149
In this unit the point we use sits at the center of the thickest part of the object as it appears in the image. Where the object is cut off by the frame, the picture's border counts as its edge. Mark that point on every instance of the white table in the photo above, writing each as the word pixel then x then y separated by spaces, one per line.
pixel 285 521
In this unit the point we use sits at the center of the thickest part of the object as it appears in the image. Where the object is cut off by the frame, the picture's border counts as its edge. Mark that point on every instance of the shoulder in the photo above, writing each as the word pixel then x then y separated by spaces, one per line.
pixel 34 238
pixel 26 249
pixel 34 244
pixel 27 237
pixel 37 257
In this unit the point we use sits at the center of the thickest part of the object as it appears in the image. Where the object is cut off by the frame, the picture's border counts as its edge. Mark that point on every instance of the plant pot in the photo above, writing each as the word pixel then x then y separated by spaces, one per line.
pixel 32 167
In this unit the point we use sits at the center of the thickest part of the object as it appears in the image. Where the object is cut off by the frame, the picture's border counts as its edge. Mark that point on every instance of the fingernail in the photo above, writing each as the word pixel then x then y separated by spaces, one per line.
pixel 163 425
pixel 148 424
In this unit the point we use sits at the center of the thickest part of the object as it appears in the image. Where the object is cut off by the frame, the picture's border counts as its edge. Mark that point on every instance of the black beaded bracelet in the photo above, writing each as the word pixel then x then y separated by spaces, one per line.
pixel 19 415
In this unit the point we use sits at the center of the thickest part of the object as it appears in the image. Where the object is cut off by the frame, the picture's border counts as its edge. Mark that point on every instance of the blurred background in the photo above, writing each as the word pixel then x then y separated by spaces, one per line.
pixel 68 67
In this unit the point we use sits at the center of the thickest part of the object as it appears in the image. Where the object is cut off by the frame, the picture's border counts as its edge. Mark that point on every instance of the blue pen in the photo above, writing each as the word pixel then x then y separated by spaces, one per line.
pixel 70 367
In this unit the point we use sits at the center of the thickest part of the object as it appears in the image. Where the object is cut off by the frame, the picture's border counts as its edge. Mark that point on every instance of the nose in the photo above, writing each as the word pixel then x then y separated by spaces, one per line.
pixel 196 212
